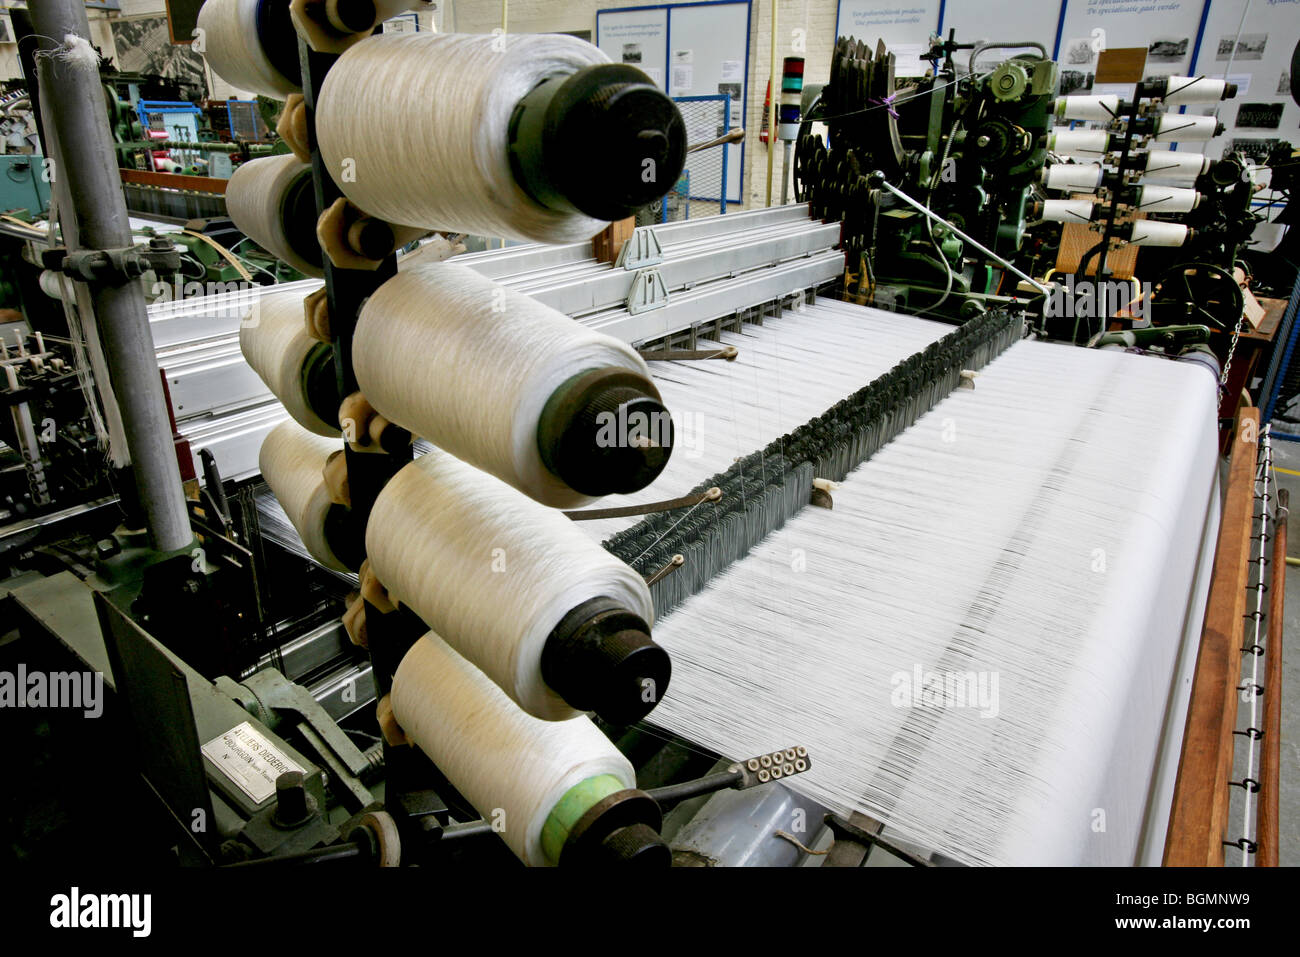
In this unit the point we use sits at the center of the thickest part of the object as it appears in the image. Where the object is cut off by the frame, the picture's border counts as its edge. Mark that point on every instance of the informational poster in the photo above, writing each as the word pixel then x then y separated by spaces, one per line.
pixel 904 27
pixel 976 20
pixel 637 36
pixel 710 45
pixel 1167 28
pixel 691 50
pixel 1255 53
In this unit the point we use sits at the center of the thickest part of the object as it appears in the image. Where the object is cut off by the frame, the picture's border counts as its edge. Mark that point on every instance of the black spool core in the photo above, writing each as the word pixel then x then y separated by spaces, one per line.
pixel 298 219
pixel 279 39
pixel 605 431
pixel 601 658
pixel 356 15
pixel 376 239
pixel 320 384
pixel 345 539
pixel 604 141
pixel 621 829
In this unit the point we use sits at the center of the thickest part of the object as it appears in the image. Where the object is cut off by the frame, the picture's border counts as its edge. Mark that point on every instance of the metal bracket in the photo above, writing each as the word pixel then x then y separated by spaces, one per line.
pixel 275 693
pixel 114 266
pixel 648 292
pixel 641 249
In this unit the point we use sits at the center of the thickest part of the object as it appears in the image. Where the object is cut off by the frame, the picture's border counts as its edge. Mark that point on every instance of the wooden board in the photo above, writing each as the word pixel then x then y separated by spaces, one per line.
pixel 202 184
pixel 1198 818
pixel 1122 65
pixel 1077 239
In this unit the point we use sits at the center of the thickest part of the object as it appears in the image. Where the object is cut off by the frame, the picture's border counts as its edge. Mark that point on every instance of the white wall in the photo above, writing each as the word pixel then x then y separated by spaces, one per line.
pixel 815 18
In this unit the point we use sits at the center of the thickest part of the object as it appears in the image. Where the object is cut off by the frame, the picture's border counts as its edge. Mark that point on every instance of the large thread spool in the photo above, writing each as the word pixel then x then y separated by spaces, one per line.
pixel 511 386
pixel 541 781
pixel 271 201
pixel 298 369
pixel 252 45
pixel 555 620
pixel 532 137
pixel 292 461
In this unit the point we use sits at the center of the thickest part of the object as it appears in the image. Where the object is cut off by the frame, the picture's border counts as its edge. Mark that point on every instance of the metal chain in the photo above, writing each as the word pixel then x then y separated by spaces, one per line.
pixel 1232 347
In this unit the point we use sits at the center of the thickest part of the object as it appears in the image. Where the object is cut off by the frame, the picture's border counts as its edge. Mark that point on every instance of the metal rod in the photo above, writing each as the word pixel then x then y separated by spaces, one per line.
pixel 773 95
pixel 930 214
pixel 1270 752
pixel 676 793
pixel 74 100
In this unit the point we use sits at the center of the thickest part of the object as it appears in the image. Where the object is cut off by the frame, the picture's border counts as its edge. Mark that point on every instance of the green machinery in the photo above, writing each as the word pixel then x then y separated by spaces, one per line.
pixel 967 144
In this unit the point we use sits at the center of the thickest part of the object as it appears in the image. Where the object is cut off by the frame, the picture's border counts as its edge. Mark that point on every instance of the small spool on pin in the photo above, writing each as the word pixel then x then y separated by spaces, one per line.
pixel 1149 232
pixel 1098 108
pixel 1167 199
pixel 1072 176
pixel 1092 143
pixel 1192 90
pixel 1167 165
pixel 1068 210
pixel 252 45
pixel 271 200
pixel 1184 128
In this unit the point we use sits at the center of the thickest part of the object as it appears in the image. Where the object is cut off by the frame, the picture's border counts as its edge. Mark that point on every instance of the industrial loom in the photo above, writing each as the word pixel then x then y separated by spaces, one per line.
pixel 918 583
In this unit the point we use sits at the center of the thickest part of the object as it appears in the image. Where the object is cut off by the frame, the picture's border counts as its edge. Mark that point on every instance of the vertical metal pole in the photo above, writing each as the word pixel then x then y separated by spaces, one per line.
pixel 75 105
pixel 774 94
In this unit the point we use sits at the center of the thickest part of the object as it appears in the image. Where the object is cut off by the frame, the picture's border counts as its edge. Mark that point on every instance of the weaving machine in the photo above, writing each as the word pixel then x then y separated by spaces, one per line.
pixel 531 556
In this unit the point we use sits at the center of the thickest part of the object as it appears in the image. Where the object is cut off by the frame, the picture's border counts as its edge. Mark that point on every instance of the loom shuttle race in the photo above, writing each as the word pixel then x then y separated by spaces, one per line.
pixel 452 458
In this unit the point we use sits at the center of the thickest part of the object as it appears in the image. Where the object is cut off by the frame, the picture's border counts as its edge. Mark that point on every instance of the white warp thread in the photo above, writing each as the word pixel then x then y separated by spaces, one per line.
pixel 273 338
pixel 510 766
pixel 1041 530
pixel 414 130
pixel 788 371
pixel 490 570
pixel 232 49
pixel 469 365
pixel 255 201
pixel 74 50
pixel 292 461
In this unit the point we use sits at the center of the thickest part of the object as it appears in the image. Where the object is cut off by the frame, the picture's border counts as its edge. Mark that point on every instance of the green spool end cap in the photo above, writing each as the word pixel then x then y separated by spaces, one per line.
pixel 598 823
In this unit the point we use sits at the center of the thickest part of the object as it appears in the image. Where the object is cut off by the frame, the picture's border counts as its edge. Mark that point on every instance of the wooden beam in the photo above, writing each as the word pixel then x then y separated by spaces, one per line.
pixel 1198 818
pixel 1270 750
pixel 202 184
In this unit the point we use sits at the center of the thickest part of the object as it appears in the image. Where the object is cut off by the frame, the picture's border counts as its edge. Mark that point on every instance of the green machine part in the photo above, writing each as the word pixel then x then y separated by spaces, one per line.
pixel 25 184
